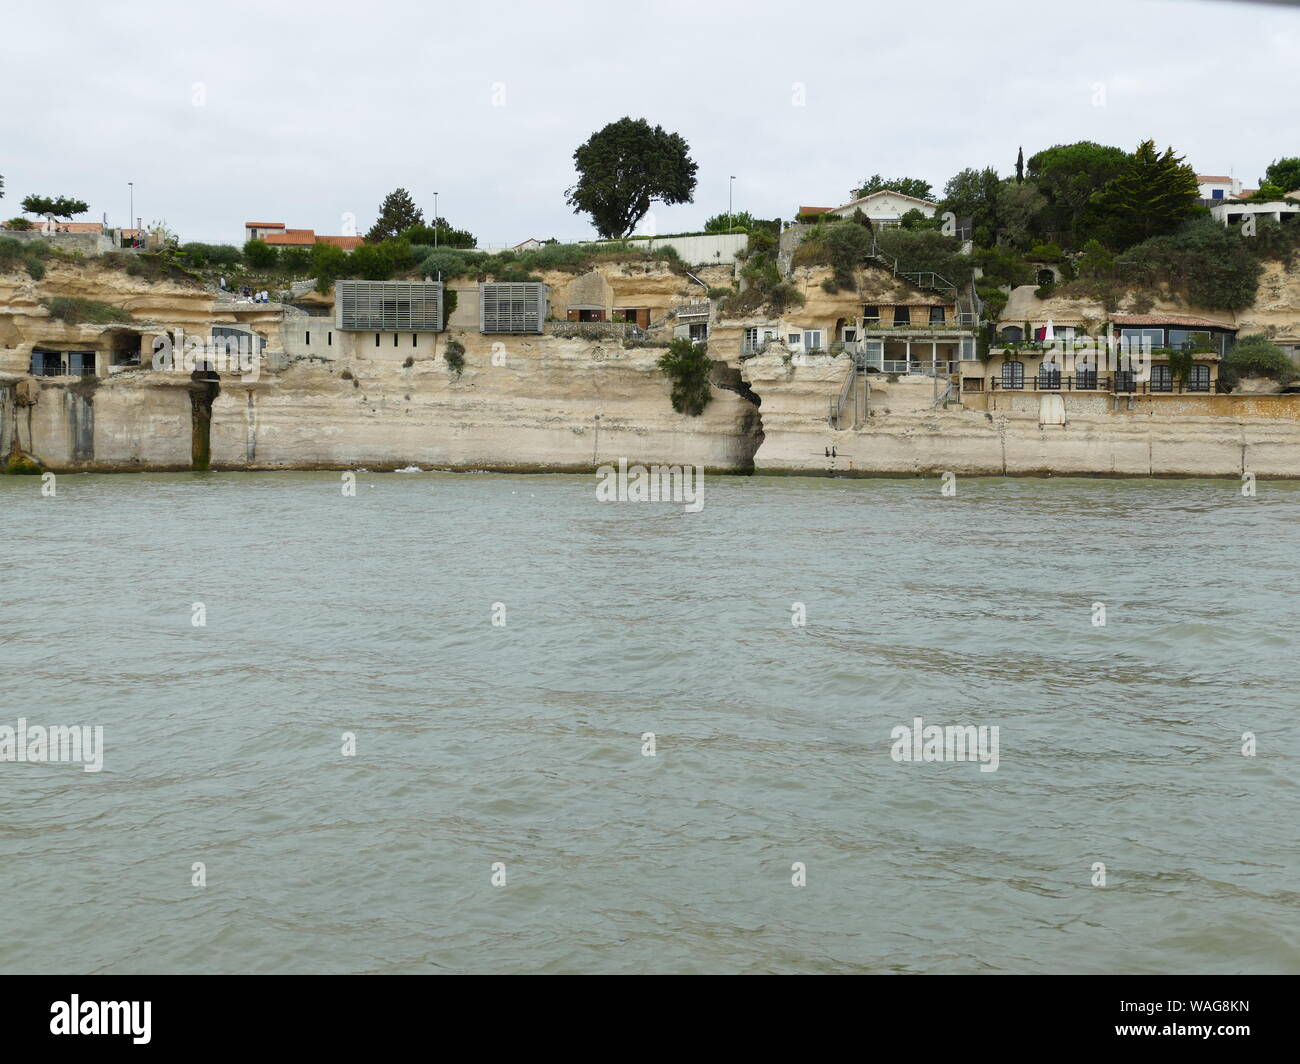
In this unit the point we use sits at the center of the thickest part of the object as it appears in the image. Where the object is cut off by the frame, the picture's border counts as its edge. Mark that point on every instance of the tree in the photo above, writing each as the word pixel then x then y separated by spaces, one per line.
pixel 441 234
pixel 1154 194
pixel 1256 356
pixel 1284 173
pixel 1020 210
pixel 1068 176
pixel 57 206
pixel 973 194
pixel 740 221
pixel 1020 166
pixel 908 186
pixel 626 166
pixel 329 262
pixel 260 255
pixel 688 365
pixel 397 213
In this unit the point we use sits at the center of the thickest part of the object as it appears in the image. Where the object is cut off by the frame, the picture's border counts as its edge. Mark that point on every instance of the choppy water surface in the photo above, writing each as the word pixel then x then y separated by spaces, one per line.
pixel 522 744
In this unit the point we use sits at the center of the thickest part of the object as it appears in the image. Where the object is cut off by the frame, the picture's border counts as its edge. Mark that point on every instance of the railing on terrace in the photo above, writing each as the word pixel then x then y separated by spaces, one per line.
pixel 926 369
pixel 595 330
pixel 1123 384
pixel 753 347
pixel 692 310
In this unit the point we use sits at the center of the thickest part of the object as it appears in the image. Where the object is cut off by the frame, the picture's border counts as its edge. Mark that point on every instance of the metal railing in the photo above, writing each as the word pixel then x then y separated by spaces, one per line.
pixel 1120 383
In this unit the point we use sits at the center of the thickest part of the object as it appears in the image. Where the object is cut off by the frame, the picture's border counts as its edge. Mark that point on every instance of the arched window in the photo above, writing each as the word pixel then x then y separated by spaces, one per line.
pixel 1013 374
pixel 1012 334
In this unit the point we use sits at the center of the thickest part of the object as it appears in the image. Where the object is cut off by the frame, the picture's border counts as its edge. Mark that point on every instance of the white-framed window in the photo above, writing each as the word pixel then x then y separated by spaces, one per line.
pixel 968 352
pixel 812 340
pixel 793 339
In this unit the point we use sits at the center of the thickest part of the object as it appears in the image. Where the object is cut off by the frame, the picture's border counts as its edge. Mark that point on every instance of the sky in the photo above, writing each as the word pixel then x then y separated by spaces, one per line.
pixel 310 114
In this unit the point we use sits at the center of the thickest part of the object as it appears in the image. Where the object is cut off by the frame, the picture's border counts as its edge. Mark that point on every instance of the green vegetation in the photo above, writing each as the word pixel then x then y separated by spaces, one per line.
pixel 739 222
pixel 1256 356
pixel 21 465
pixel 761 282
pixel 20 224
pixel 201 255
pixel 625 167
pixel 1283 174
pixel 58 206
pixel 76 311
pixel 397 214
pixel 688 366
pixel 908 186
pixel 260 255
pixel 440 235
pixel 454 356
pixel 1153 195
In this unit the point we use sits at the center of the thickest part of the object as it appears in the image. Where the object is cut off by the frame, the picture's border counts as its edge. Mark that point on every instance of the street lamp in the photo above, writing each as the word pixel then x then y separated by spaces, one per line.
pixel 730 183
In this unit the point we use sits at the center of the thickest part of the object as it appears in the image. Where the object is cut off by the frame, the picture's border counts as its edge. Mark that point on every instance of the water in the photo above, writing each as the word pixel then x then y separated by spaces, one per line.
pixel 522 744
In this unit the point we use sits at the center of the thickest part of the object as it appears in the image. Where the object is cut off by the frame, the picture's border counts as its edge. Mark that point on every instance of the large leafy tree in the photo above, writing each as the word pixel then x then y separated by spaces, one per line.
pixel 908 186
pixel 722 223
pixel 1021 211
pixel 440 234
pixel 57 206
pixel 397 213
pixel 1153 195
pixel 1068 176
pixel 1283 174
pixel 974 194
pixel 626 166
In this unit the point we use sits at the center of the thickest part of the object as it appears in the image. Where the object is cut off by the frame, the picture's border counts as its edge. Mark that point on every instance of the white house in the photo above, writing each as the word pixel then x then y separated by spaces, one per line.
pixel 531 244
pixel 884 208
pixel 1212 187
pixel 1234 213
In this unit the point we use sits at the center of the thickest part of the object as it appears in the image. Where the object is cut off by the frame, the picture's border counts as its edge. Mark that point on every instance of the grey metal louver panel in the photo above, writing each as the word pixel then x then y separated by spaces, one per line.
pixel 389 306
pixel 512 307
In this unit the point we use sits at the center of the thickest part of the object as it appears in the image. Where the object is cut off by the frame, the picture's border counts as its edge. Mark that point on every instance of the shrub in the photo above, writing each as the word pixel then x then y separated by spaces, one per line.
pixel 296 261
pixel 1204 262
pixel 447 261
pixel 76 311
pixel 1044 253
pixel 260 255
pixel 19 225
pixel 688 366
pixel 454 356
pixel 35 269
pixel 1256 356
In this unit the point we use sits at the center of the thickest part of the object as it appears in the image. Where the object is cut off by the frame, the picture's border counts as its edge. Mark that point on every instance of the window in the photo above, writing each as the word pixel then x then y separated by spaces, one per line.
pixel 1162 379
pixel 1125 380
pixel 1013 334
pixel 329 339
pixel 1049 376
pixel 968 350
pixel 937 316
pixel 871 315
pixel 792 340
pixel 1191 338
pixel 1013 374
pixel 812 340
pixel 1136 337
pixel 1216 193
pixel 700 331
pixel 414 340
pixel 376 339
pixel 902 315
pixel 47 364
pixel 1085 376
pixel 394 339
pixel 1199 381
pixel 850 336
pixel 308 338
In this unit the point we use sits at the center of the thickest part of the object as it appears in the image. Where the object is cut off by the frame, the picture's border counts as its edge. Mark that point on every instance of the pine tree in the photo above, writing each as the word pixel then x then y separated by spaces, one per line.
pixel 397 213
pixel 1154 194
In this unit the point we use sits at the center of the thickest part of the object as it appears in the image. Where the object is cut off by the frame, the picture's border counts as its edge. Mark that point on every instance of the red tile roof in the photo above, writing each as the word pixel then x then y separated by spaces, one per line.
pixel 293 237
pixel 815 210
pixel 347 243
pixel 1170 319
pixel 264 225
pixel 1208 177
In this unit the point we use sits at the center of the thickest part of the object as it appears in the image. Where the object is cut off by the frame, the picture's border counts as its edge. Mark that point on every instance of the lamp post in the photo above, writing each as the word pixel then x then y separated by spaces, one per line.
pixel 435 219
pixel 730 183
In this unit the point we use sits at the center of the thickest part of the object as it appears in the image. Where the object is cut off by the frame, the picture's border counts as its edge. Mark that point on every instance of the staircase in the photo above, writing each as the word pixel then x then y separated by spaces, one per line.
pixel 856 390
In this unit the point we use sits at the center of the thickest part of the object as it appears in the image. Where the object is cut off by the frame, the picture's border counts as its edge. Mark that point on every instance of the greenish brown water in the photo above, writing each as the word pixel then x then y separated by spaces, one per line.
pixel 522 744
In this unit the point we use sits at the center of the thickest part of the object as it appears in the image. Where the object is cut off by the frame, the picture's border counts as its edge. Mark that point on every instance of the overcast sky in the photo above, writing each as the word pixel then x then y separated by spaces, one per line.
pixel 296 113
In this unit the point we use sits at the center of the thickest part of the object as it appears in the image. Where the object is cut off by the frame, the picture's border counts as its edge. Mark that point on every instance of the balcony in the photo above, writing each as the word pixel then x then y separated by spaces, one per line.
pixel 1119 383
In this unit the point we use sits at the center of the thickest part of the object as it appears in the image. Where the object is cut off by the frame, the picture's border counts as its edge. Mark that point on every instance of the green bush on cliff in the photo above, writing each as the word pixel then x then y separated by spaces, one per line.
pixel 1207 264
pixel 1256 356
pixel 454 356
pixel 76 311
pixel 688 366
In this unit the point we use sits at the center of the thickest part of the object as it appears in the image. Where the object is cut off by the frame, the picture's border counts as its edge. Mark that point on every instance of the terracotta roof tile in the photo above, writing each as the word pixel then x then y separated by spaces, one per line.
pixel 347 243
pixel 1170 319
